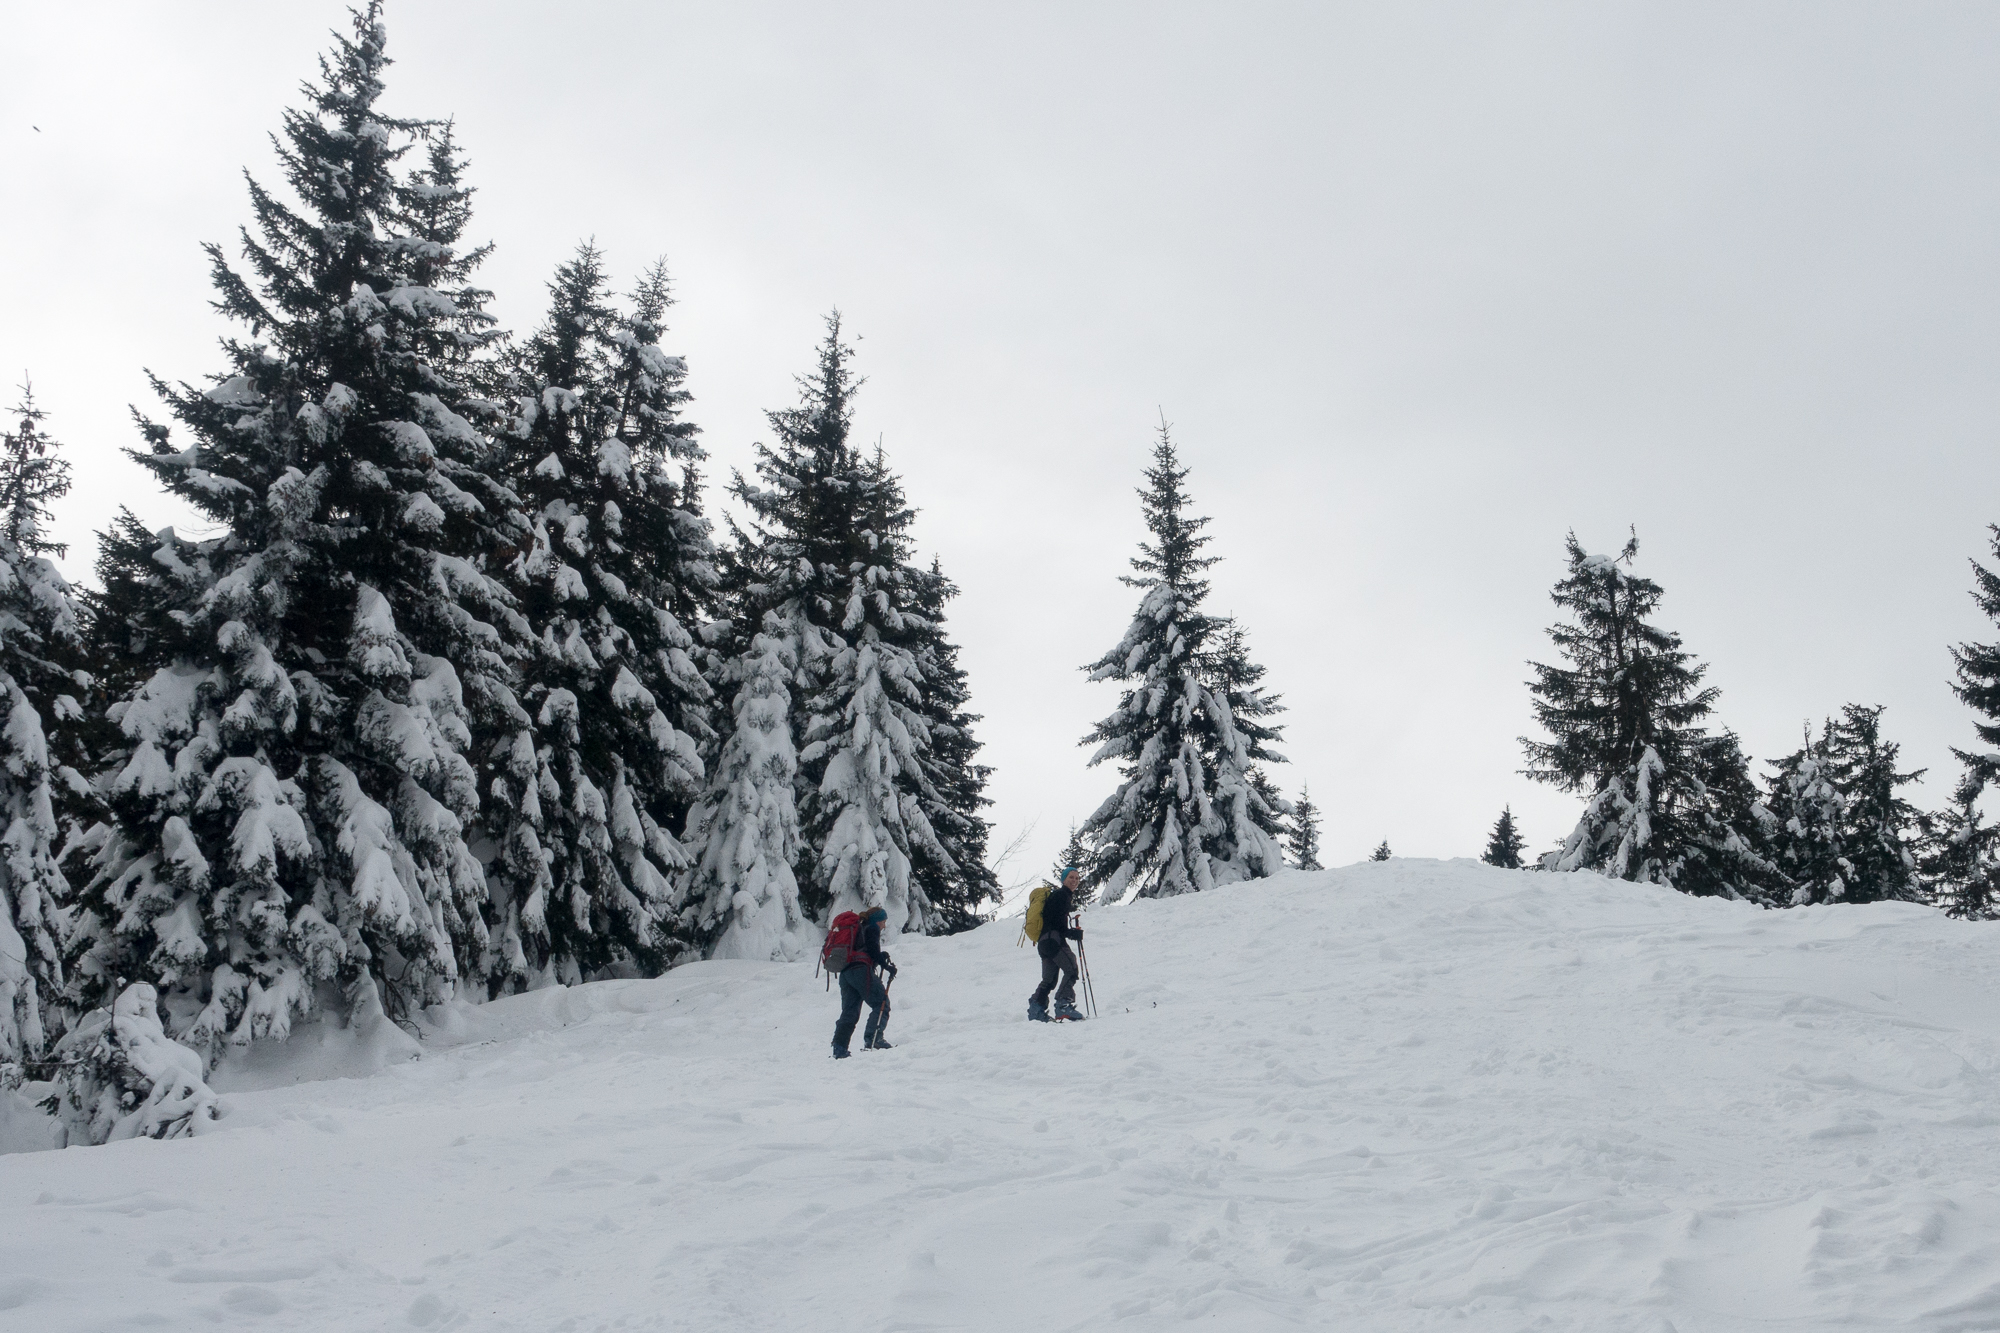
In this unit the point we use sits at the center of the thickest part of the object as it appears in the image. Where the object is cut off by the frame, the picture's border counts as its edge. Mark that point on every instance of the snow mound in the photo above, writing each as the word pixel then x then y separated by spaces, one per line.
pixel 1405 1095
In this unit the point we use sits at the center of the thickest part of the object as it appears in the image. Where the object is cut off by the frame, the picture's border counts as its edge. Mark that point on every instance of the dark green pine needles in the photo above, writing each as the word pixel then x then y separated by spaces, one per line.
pixel 1186 815
pixel 604 758
pixel 293 793
pixel 1668 802
pixel 1503 847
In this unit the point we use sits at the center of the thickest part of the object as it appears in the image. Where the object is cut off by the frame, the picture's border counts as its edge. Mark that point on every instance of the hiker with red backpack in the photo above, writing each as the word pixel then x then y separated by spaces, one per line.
pixel 853 952
pixel 1049 912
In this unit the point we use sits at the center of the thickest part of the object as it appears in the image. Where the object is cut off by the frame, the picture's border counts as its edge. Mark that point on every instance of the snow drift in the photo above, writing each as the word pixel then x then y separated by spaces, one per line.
pixel 1398 1096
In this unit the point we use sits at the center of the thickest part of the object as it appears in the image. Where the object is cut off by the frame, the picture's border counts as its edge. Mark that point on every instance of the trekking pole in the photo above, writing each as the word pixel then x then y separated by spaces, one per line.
pixel 1083 966
pixel 881 1020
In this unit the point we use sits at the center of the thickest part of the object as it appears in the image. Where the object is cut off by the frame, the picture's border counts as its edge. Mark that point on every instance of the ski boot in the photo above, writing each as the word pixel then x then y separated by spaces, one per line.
pixel 1068 1013
pixel 1038 1012
pixel 840 1052
pixel 876 1044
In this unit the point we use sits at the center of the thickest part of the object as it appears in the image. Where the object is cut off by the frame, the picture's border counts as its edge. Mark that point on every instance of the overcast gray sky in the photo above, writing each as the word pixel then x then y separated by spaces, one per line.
pixel 1420 288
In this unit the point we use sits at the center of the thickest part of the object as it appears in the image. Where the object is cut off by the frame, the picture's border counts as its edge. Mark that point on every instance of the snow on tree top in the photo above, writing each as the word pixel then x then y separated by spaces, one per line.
pixel 614 459
pixel 659 365
pixel 236 391
pixel 421 303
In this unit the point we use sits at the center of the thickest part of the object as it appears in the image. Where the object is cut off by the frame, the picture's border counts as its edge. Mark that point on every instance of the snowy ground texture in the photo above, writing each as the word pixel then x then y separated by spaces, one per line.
pixel 1405 1095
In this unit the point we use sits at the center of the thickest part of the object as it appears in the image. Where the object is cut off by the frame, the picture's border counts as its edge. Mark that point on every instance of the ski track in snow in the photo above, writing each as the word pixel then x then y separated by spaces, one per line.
pixel 1399 1096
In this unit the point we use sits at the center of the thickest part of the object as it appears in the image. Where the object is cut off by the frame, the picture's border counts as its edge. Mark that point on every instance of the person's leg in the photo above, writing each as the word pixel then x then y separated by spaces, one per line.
pixel 878 1007
pixel 1066 993
pixel 1040 998
pixel 851 982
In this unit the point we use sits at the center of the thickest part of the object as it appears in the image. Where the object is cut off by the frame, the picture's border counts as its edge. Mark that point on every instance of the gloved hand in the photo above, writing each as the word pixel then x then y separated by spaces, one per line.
pixel 887 965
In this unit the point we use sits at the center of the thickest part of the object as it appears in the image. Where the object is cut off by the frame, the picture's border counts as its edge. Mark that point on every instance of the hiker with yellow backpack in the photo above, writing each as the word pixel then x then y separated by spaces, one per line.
pixel 1048 925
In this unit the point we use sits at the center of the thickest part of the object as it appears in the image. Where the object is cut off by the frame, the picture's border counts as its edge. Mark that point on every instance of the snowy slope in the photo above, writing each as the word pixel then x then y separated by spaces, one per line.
pixel 1405 1095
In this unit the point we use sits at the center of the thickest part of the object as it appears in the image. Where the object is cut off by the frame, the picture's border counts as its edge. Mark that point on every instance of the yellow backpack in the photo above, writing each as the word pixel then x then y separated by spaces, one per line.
pixel 1031 929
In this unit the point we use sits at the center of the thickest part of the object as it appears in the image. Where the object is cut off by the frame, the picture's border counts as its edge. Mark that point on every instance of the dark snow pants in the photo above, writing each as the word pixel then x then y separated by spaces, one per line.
pixel 859 984
pixel 1056 957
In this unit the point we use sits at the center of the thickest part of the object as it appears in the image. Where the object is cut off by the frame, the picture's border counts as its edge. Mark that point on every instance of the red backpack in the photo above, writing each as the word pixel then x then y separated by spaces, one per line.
pixel 843 943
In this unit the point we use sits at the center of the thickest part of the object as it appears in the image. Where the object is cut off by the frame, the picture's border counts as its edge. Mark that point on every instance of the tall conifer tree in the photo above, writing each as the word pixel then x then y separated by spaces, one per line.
pixel 817 573
pixel 1181 818
pixel 290 808
pixel 1665 797
pixel 40 684
pixel 960 883
pixel 605 761
pixel 1964 861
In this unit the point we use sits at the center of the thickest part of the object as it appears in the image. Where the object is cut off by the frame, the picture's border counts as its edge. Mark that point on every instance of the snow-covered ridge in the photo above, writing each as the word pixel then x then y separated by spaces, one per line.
pixel 1403 1095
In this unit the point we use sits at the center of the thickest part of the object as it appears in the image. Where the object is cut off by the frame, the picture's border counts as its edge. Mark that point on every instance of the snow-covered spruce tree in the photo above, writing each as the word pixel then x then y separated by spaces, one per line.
pixel 40 685
pixel 867 741
pixel 1381 852
pixel 816 574
pixel 1180 819
pixel 742 896
pixel 289 812
pixel 1807 819
pixel 1503 846
pixel 1963 865
pixel 1667 801
pixel 1957 866
pixel 120 1076
pixel 606 759
pixel 958 884
pixel 1302 836
pixel 1254 799
pixel 1879 830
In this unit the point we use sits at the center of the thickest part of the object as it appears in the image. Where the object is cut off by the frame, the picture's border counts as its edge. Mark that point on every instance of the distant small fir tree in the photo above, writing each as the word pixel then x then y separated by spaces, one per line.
pixel 1076 852
pixel 1880 830
pixel 1381 853
pixel 1807 812
pixel 1302 837
pixel 1957 866
pixel 1838 829
pixel 1503 848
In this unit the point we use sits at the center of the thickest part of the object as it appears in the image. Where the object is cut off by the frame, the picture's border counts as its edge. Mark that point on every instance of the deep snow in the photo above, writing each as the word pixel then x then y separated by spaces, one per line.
pixel 1404 1095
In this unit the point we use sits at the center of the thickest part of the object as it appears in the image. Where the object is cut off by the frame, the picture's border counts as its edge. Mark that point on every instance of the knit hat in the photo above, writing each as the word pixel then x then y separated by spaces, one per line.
pixel 876 914
pixel 1067 871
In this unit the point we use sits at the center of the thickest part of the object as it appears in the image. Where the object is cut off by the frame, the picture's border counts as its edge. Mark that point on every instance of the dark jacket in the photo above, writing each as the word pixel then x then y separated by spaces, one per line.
pixel 1056 909
pixel 867 950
